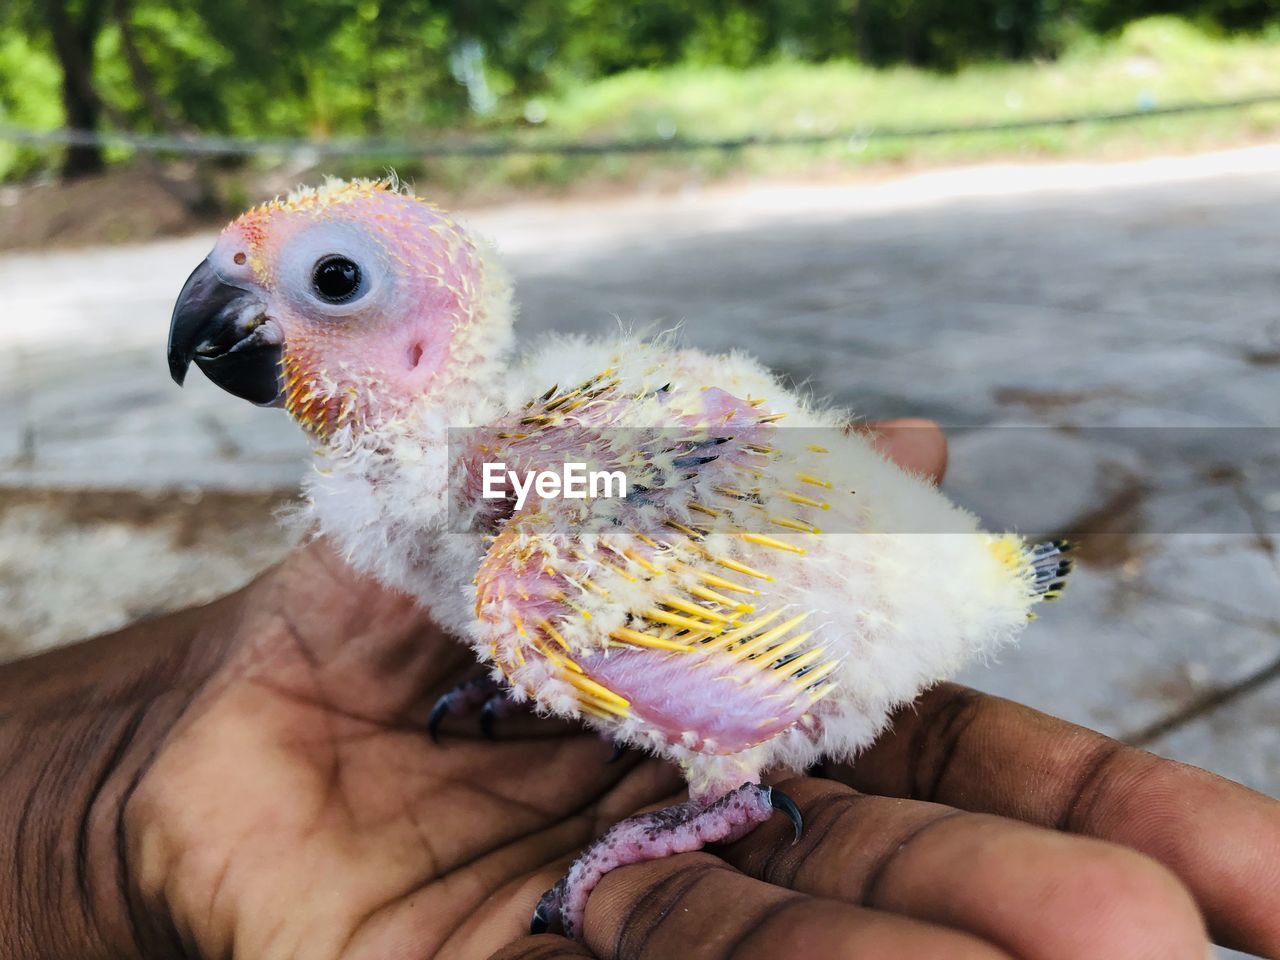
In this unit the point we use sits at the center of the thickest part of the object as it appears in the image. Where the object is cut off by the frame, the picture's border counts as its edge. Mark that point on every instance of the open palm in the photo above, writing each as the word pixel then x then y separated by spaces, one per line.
pixel 315 817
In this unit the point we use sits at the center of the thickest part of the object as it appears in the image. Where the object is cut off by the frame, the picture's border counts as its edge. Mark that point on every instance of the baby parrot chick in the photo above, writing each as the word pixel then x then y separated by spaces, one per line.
pixel 743 585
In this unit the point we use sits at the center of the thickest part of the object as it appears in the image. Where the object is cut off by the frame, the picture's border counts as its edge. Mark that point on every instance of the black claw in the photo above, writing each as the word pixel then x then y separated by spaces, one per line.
pixel 487 715
pixel 540 923
pixel 546 915
pixel 438 713
pixel 780 801
pixel 618 750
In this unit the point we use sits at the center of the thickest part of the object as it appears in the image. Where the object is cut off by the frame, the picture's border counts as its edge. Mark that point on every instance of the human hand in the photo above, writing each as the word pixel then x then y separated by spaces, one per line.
pixel 289 804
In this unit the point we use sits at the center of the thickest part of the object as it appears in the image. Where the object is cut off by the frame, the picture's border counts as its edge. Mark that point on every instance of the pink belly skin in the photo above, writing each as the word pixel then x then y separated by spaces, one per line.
pixel 710 703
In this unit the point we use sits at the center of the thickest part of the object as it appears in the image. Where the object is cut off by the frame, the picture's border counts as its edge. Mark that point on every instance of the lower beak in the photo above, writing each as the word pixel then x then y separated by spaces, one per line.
pixel 224 329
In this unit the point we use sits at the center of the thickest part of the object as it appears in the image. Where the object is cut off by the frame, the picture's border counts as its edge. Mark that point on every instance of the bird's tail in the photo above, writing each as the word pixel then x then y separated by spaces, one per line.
pixel 1049 567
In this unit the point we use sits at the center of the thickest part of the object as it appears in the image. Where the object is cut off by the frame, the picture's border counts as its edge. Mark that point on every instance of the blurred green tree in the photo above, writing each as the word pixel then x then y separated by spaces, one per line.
pixel 1225 14
pixel 71 28
pixel 405 67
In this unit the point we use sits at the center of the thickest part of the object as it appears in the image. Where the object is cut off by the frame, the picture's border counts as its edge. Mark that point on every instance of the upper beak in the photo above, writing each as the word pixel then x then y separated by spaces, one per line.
pixel 224 329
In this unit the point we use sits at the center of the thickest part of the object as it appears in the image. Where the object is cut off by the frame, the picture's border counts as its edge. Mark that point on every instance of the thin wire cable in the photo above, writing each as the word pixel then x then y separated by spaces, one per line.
pixel 214 145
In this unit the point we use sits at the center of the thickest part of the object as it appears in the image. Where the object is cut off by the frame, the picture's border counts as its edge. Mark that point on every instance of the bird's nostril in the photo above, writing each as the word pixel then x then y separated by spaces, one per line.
pixel 239 258
pixel 415 355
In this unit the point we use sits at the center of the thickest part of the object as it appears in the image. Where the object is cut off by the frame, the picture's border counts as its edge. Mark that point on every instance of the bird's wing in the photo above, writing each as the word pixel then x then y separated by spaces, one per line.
pixel 669 613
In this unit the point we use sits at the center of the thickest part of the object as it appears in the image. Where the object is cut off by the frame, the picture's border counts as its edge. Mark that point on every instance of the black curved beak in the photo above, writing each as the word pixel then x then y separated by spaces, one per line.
pixel 223 328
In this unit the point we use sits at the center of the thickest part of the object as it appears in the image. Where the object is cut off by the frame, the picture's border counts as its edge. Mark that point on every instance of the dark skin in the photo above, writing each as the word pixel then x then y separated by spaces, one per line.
pixel 252 779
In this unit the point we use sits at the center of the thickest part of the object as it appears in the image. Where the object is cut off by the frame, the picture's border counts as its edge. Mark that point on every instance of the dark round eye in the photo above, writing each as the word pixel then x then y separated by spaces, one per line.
pixel 336 279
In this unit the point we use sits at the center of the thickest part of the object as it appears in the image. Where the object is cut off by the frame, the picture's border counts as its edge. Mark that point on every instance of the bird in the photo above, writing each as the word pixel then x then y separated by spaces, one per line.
pixel 676 548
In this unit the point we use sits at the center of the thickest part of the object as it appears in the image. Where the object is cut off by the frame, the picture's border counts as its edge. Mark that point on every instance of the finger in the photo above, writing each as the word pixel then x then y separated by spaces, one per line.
pixel 918 445
pixel 982 753
pixel 544 947
pixel 1037 894
pixel 656 910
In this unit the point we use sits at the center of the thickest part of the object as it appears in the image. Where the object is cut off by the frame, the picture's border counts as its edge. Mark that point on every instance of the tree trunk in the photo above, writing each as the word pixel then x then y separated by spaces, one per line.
pixel 862 32
pixel 82 114
pixel 73 42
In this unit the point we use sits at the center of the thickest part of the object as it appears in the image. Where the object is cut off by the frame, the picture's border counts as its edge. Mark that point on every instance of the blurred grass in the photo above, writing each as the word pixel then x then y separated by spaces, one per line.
pixel 1152 63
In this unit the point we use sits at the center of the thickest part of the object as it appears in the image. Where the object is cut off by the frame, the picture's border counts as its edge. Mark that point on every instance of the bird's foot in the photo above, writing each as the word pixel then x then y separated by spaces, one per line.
pixel 651 836
pixel 483 694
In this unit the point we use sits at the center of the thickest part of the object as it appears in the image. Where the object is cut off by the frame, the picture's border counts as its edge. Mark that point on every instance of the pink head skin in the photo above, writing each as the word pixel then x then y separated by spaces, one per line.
pixel 374 300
